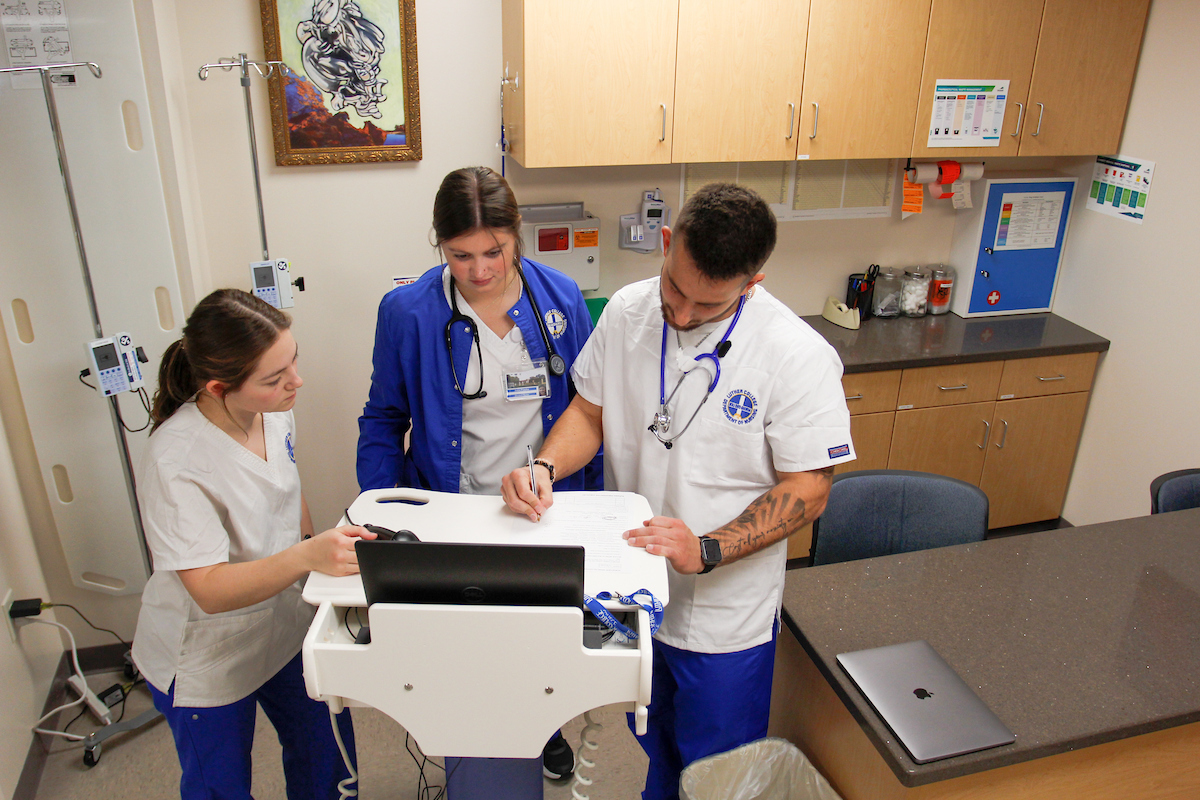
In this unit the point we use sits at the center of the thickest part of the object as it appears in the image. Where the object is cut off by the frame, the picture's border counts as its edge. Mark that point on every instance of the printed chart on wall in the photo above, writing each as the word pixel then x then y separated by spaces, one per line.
pixel 1120 186
pixel 1029 220
pixel 967 113
pixel 36 32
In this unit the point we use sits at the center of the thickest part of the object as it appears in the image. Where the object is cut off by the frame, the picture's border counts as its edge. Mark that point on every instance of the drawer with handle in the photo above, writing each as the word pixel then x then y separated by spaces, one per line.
pixel 926 387
pixel 871 392
pixel 1034 377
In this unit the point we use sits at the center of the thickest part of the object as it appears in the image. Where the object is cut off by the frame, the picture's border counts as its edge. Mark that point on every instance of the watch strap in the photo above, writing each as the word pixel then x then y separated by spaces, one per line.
pixel 709 565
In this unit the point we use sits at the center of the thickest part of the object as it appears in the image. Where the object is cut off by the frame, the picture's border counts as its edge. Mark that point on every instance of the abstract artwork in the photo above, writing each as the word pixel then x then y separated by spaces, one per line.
pixel 347 89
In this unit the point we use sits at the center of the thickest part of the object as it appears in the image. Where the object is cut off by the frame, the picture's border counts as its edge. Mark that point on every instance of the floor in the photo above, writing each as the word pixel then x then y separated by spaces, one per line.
pixel 146 759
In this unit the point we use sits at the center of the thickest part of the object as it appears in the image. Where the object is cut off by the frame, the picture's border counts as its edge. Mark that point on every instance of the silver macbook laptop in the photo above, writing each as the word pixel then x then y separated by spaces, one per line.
pixel 932 710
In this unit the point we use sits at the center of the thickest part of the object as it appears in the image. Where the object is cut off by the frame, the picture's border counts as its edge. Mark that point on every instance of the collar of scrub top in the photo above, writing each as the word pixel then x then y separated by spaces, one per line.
pixel 555 362
pixel 662 420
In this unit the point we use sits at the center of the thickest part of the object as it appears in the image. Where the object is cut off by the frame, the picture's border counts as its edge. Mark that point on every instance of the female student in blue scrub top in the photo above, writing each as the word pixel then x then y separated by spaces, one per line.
pixel 472 361
pixel 222 620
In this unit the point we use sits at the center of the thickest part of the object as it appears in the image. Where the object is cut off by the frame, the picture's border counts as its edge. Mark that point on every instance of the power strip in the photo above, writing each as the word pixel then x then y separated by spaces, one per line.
pixel 97 705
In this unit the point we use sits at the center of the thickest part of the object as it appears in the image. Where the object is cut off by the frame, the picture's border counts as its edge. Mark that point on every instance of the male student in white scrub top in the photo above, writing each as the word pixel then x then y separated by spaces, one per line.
pixel 746 421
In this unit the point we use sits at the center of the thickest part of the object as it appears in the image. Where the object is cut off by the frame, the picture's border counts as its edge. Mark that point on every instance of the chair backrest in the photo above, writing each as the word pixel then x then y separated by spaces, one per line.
pixel 1175 491
pixel 881 512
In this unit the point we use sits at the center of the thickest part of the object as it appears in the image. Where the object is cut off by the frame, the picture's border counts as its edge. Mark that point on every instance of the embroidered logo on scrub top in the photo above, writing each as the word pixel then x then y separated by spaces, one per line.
pixel 839 451
pixel 291 448
pixel 740 407
pixel 556 322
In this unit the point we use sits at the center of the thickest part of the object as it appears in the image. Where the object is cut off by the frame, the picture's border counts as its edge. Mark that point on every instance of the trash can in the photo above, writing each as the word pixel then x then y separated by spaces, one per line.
pixel 768 769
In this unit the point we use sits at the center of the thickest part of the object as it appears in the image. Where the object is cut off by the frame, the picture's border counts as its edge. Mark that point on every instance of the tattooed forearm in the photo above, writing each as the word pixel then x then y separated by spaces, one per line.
pixel 775 515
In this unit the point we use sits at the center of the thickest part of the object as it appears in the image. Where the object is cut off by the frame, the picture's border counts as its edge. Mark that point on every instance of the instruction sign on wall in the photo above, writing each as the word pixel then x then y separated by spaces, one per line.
pixel 1120 186
pixel 967 113
pixel 37 32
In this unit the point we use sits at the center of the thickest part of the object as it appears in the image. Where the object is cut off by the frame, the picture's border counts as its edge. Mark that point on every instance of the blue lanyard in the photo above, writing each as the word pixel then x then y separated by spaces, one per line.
pixel 662 420
pixel 622 632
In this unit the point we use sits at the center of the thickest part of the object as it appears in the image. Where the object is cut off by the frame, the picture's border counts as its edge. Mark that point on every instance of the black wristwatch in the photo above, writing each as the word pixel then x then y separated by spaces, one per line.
pixel 710 553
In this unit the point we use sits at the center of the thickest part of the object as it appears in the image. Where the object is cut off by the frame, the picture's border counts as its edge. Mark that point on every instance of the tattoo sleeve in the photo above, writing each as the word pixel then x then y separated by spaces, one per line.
pixel 775 515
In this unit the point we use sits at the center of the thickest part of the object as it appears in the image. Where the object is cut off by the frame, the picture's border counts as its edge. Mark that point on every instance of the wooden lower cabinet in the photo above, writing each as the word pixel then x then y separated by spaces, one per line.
pixel 1030 457
pixel 872 434
pixel 947 440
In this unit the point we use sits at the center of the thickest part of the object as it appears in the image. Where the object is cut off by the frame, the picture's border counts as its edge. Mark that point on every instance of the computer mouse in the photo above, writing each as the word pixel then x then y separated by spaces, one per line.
pixel 389 535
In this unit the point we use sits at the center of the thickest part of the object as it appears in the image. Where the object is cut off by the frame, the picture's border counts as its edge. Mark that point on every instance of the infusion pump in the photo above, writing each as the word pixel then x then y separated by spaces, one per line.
pixel 272 281
pixel 115 364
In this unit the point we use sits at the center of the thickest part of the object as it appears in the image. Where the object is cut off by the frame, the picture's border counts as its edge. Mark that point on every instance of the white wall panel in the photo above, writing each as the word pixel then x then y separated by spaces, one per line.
pixel 119 196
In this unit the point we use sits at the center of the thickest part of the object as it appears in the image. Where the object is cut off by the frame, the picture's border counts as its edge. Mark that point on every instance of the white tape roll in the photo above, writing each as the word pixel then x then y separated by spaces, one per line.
pixel 971 172
pixel 924 173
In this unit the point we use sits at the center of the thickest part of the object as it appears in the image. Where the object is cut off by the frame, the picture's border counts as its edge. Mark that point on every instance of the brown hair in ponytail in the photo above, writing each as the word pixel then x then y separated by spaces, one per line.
pixel 225 336
pixel 472 198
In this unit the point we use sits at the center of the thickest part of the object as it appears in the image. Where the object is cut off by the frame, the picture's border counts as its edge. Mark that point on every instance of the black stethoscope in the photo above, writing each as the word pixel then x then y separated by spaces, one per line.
pixel 555 363
pixel 662 419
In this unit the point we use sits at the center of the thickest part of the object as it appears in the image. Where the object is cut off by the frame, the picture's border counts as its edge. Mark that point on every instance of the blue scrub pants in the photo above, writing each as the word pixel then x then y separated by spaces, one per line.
pixel 214 743
pixel 702 704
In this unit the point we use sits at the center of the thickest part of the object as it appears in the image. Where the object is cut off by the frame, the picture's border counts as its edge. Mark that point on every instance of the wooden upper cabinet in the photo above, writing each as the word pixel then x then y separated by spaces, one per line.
pixel 738 75
pixel 862 78
pixel 970 40
pixel 1086 59
pixel 590 83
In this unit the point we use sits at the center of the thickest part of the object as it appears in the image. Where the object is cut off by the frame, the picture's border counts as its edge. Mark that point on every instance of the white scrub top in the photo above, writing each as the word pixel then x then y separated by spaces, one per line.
pixel 779 405
pixel 205 500
pixel 495 430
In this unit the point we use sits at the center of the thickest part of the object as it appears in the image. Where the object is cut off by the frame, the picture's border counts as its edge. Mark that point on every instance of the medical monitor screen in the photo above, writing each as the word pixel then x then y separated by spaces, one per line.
pixel 264 277
pixel 654 213
pixel 106 357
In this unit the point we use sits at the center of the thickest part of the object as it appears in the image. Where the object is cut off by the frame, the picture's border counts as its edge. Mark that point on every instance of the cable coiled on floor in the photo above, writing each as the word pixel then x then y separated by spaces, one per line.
pixel 585 743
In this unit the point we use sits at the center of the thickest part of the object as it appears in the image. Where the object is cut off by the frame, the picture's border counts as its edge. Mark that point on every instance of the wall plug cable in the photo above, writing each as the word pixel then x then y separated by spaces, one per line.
pixel 590 726
pixel 75 737
pixel 343 787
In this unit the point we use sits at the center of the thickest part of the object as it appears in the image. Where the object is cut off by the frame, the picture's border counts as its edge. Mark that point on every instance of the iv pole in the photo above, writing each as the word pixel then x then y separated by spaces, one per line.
pixel 245 64
pixel 114 410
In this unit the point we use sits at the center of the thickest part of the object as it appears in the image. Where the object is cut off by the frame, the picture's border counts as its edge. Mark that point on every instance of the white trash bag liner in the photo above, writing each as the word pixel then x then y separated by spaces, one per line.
pixel 768 769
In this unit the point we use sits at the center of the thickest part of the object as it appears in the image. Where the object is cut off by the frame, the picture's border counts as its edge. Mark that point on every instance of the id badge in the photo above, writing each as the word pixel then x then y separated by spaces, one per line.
pixel 527 382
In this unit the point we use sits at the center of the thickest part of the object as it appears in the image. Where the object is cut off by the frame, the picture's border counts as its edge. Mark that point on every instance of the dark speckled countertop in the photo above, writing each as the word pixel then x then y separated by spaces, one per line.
pixel 904 342
pixel 1073 637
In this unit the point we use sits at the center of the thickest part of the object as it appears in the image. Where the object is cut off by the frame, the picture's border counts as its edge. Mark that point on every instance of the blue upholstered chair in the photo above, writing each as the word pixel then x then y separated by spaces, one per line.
pixel 1175 491
pixel 881 512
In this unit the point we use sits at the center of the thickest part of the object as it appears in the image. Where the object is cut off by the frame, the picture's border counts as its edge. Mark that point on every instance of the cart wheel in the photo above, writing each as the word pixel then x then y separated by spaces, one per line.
pixel 91 756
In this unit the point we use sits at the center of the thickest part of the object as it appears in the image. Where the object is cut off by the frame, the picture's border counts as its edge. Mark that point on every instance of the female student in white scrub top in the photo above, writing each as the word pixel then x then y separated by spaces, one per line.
pixel 222 620
pixel 472 361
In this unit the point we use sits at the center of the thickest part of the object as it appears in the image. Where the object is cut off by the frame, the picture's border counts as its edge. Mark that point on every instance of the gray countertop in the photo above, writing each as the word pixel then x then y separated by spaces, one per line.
pixel 904 342
pixel 1073 637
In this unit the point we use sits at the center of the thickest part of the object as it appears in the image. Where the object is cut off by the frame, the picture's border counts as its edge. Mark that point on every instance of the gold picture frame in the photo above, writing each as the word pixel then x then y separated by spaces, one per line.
pixel 347 89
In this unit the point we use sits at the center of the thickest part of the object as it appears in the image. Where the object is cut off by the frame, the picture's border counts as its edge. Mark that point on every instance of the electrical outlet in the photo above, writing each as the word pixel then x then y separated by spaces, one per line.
pixel 12 626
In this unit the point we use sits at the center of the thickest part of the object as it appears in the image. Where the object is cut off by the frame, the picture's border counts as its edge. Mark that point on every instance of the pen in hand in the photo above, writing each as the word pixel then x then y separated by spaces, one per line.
pixel 532 477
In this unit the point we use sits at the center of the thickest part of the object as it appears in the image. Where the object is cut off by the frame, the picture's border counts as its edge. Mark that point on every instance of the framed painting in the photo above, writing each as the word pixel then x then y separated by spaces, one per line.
pixel 346 90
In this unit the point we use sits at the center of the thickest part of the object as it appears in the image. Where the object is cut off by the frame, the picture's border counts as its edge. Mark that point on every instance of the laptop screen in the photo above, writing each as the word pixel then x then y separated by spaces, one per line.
pixel 471 574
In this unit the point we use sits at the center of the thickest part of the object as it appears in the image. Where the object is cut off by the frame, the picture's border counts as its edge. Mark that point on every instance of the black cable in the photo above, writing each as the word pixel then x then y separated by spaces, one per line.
pixel 75 718
pixel 88 621
pixel 85 383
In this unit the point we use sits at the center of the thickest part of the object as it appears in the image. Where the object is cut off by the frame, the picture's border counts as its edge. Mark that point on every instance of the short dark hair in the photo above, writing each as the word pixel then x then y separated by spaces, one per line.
pixel 472 198
pixel 728 230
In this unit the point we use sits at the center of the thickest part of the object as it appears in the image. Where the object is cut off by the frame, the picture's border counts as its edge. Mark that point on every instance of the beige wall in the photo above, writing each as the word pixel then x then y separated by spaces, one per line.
pixel 1135 284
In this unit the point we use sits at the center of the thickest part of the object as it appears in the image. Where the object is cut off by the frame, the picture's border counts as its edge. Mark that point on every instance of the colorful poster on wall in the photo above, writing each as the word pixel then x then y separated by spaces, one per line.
pixel 36 32
pixel 967 113
pixel 1120 187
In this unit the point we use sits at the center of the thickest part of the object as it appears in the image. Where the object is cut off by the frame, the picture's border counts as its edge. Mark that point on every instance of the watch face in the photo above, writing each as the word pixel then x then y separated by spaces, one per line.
pixel 710 551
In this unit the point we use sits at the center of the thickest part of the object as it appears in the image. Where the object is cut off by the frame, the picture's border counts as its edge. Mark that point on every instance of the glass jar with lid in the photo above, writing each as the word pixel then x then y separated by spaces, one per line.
pixel 914 292
pixel 941 286
pixel 886 300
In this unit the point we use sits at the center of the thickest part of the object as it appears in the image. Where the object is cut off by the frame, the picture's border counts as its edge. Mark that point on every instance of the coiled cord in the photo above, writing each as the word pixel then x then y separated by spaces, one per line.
pixel 590 726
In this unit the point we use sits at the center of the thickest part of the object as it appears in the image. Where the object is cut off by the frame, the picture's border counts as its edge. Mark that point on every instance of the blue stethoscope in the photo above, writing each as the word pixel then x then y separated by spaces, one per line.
pixel 662 420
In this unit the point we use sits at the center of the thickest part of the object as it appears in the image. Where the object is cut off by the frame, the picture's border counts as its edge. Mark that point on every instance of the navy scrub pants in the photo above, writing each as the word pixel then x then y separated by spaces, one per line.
pixel 702 704
pixel 214 743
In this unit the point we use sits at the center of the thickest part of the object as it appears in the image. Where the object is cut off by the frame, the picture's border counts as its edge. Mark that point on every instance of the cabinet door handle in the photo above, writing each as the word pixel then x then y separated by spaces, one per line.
pixel 663 106
pixel 791 119
pixel 951 388
pixel 1056 378
pixel 1003 436
pixel 1020 114
pixel 855 397
pixel 1040 115
pixel 987 433
pixel 816 116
